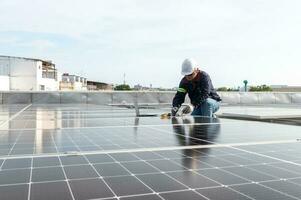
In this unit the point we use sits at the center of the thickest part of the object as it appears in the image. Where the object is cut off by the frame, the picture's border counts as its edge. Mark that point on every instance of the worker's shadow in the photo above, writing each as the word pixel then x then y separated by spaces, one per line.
pixel 196 131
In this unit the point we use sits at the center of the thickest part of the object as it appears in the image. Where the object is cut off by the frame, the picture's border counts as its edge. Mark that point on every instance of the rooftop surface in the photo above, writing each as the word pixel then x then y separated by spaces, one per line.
pixel 85 151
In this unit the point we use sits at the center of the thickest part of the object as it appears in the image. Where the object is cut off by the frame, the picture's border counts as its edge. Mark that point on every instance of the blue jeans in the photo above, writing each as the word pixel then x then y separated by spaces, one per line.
pixel 206 108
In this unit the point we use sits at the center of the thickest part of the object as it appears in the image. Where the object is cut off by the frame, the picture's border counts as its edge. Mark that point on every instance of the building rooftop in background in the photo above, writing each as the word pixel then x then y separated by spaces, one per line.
pixel 96 86
pixel 73 82
pixel 19 73
pixel 25 58
pixel 285 88
pixel 31 74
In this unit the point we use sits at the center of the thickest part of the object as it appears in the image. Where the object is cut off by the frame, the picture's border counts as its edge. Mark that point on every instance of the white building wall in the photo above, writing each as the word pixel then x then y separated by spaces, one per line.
pixel 78 86
pixel 23 74
pixel 48 83
pixel 4 83
pixel 4 74
pixel 4 67
pixel 59 76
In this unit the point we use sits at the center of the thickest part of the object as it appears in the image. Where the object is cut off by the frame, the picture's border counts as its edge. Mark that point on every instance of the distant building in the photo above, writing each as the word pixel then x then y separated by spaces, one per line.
pixel 138 87
pixel 73 82
pixel 285 88
pixel 93 85
pixel 144 88
pixel 19 73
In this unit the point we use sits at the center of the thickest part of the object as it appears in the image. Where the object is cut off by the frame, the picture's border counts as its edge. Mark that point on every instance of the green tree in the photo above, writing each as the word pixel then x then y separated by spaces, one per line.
pixel 225 89
pixel 122 87
pixel 260 88
pixel 222 89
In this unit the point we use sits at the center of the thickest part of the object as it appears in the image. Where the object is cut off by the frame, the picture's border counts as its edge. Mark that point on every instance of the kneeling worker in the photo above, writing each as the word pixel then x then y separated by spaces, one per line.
pixel 200 90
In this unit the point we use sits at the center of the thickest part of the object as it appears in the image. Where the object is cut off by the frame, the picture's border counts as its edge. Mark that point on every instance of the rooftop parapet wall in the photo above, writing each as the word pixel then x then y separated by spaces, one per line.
pixel 153 97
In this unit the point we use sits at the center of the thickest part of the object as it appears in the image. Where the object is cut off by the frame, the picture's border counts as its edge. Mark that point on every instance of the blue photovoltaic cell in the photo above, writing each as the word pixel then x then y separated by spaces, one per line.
pixel 102 152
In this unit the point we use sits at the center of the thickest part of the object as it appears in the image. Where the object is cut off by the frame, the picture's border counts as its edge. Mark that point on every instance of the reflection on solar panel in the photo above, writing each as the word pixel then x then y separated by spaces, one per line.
pixel 98 152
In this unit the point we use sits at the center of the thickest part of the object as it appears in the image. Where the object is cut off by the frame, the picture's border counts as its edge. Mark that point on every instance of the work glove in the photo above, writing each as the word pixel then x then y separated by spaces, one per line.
pixel 187 109
pixel 174 111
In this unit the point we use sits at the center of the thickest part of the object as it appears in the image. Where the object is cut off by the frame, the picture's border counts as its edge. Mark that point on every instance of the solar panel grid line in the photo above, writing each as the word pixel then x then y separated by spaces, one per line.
pixel 233 174
pixel 104 179
pixel 222 157
pixel 16 114
pixel 258 142
pixel 33 117
pixel 240 193
pixel 154 138
pixel 185 136
pixel 291 180
pixel 186 185
pixel 241 157
pixel 153 192
pixel 259 154
pixel 150 160
pixel 283 168
pixel 120 176
pixel 13 184
pixel 193 190
pixel 2 123
pixel 275 189
pixel 165 174
pixel 30 179
pixel 92 141
pixel 55 181
pixel 154 149
pixel 212 167
pixel 179 181
pixel 248 183
pixel 288 180
pixel 119 126
pixel 137 195
pixel 258 184
pixel 288 195
pixel 188 170
pixel 2 164
pixel 172 171
pixel 212 142
pixel 64 172
pixel 286 186
pixel 259 172
pixel 267 164
pixel 14 144
pixel 101 177
pixel 175 133
pixel 221 169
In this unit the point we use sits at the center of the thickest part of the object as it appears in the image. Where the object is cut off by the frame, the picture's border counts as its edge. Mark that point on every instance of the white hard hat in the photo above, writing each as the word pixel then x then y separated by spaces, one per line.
pixel 188 66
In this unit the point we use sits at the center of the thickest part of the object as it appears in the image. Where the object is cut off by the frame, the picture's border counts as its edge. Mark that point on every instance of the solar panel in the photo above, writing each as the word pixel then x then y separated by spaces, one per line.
pixel 261 113
pixel 73 152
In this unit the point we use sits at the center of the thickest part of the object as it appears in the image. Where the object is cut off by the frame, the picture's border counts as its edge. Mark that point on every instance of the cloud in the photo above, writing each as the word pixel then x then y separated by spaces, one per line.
pixel 38 44
pixel 149 39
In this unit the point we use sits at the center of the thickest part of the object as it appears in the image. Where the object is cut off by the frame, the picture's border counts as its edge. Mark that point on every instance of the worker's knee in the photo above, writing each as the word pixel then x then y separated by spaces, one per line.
pixel 206 108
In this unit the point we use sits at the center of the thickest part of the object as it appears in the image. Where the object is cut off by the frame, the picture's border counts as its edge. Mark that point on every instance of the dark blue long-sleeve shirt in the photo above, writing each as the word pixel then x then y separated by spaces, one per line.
pixel 199 89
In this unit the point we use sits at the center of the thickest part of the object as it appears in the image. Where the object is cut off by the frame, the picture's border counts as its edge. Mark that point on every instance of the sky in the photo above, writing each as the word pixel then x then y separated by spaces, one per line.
pixel 147 40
